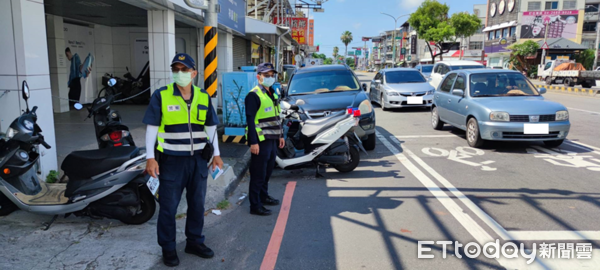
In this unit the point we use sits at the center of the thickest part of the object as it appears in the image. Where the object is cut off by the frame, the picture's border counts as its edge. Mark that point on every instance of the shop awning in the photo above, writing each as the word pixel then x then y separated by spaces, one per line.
pixel 500 26
pixel 265 33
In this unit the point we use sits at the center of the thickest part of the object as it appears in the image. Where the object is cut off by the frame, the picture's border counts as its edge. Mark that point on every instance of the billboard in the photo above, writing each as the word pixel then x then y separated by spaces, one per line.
pixel 413 44
pixel 311 32
pixel 233 15
pixel 299 28
pixel 560 23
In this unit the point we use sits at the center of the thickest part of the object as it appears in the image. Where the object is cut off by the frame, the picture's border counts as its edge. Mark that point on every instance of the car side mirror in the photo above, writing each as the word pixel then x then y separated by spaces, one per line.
pixel 542 90
pixel 364 86
pixel 377 81
pixel 458 92
pixel 283 90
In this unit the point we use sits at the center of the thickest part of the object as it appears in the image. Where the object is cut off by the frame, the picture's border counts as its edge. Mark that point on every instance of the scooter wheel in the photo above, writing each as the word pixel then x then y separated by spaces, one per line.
pixel 6 206
pixel 350 166
pixel 146 210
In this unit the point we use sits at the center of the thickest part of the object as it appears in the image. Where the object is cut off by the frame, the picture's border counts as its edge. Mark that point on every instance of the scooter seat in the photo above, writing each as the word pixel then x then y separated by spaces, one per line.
pixel 312 127
pixel 81 165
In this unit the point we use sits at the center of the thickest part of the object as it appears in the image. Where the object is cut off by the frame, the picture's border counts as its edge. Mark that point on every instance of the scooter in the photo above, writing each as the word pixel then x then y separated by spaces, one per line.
pixel 107 182
pixel 131 86
pixel 110 132
pixel 321 142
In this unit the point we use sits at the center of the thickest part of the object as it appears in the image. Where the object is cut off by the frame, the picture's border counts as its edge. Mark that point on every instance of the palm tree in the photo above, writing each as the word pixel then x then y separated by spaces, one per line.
pixel 336 50
pixel 346 39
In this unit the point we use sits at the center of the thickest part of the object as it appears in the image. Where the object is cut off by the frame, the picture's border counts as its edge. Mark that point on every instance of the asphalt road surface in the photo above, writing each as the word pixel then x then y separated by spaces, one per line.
pixel 420 184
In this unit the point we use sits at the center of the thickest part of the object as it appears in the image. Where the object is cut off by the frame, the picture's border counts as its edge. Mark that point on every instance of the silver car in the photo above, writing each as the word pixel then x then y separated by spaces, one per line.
pixel 425 69
pixel 401 87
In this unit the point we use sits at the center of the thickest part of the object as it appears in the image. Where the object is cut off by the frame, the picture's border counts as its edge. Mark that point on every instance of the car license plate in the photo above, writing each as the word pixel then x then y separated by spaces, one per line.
pixel 414 100
pixel 153 184
pixel 536 129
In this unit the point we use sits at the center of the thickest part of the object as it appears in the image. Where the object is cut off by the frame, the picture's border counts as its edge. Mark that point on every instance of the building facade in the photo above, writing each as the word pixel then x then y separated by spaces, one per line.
pixel 502 19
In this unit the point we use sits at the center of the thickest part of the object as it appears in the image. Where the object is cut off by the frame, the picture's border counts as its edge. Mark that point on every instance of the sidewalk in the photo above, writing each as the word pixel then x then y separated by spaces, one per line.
pixel 590 92
pixel 85 243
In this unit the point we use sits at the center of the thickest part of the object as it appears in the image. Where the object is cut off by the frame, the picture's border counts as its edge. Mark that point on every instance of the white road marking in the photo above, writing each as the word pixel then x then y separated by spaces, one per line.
pixel 427 136
pixel 569 160
pixel 584 146
pixel 583 110
pixel 459 155
pixel 463 218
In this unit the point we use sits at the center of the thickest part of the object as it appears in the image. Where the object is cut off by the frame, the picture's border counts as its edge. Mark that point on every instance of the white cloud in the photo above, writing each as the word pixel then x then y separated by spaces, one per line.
pixel 410 4
pixel 357 25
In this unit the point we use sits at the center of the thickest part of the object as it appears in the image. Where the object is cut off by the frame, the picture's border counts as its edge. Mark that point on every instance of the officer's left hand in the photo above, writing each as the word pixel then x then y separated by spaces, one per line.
pixel 281 143
pixel 216 162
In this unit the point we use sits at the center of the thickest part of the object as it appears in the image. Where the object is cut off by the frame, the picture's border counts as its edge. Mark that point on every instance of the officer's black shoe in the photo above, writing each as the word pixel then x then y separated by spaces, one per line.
pixel 261 211
pixel 200 250
pixel 270 201
pixel 170 258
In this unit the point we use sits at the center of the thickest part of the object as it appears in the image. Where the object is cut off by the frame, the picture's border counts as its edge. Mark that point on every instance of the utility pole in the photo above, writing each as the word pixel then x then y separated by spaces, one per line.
pixel 545 44
pixel 211 9
pixel 394 36
pixel 597 45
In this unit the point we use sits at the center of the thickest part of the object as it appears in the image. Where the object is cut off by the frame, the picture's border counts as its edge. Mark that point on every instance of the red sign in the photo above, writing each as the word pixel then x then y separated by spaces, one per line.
pixel 365 39
pixel 311 33
pixel 545 46
pixel 299 28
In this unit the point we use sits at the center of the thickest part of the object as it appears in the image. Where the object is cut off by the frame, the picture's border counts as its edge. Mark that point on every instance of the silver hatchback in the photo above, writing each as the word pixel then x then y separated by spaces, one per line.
pixel 401 87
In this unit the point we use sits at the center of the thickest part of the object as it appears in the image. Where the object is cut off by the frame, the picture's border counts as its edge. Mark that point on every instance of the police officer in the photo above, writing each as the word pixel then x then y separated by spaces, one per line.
pixel 264 135
pixel 181 117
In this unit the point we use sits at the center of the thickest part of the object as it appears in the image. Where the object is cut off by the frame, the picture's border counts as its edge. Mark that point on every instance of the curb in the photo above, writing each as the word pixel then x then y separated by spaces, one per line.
pixel 570 90
pixel 239 170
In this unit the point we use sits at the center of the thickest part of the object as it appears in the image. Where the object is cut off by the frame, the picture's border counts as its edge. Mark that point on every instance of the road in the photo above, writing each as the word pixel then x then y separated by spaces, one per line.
pixel 425 185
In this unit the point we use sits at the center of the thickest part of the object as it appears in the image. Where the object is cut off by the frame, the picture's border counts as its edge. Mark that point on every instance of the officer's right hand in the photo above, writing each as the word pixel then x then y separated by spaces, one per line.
pixel 152 167
pixel 254 149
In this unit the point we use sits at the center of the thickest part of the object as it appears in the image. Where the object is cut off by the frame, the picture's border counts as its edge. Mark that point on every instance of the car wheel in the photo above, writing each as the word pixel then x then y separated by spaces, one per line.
pixel 473 136
pixel 6 206
pixel 555 143
pixel 436 123
pixel 370 142
pixel 548 80
pixel 382 103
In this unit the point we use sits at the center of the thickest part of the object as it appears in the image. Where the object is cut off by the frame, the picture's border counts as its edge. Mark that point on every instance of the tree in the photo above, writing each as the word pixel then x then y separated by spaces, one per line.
pixel 350 61
pixel 346 39
pixel 465 25
pixel 328 61
pixel 336 50
pixel 520 52
pixel 431 23
pixel 319 55
pixel 586 58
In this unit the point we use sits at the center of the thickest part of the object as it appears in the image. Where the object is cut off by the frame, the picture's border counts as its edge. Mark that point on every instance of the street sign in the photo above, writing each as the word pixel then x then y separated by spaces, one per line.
pixel 545 46
pixel 403 51
pixel 351 53
pixel 408 58
pixel 398 37
pixel 358 52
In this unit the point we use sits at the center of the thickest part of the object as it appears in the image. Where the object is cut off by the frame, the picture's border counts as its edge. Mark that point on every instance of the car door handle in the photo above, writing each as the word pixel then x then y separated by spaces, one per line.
pixel 449 100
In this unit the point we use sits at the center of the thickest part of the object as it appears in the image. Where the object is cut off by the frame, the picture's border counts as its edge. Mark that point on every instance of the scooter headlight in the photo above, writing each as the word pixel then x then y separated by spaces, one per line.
pixel 11 132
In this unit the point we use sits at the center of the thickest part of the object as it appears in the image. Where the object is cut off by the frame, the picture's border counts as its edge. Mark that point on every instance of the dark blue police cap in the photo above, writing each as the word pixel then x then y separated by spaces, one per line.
pixel 265 67
pixel 184 59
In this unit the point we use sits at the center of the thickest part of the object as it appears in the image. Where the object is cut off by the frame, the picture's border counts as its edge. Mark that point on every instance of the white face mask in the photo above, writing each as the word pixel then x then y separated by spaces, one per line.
pixel 268 82
pixel 182 79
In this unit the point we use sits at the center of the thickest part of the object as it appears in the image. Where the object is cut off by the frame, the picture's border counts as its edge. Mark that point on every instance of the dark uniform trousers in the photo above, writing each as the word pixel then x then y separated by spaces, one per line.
pixel 261 167
pixel 177 173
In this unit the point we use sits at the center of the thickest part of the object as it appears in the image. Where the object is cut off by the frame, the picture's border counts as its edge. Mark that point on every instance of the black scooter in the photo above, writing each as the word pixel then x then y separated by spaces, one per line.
pixel 132 86
pixel 110 132
pixel 106 182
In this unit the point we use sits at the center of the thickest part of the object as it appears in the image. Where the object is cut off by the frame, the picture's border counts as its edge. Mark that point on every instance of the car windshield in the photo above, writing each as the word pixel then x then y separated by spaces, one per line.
pixel 466 67
pixel 501 85
pixel 404 76
pixel 426 69
pixel 322 82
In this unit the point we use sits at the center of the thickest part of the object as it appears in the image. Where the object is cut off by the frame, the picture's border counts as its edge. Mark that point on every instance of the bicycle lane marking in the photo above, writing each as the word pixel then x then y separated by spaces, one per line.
pixel 270 258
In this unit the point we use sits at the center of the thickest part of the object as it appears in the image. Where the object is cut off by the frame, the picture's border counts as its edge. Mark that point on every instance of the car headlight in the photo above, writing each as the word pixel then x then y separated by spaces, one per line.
pixel 430 92
pixel 562 116
pixel 392 93
pixel 10 133
pixel 500 116
pixel 365 107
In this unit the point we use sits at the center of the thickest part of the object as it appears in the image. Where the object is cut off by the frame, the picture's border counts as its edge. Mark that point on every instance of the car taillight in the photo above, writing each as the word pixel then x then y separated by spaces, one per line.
pixel 356 113
pixel 349 110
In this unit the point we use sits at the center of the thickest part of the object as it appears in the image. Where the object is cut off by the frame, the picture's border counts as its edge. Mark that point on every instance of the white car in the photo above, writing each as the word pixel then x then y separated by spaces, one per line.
pixel 441 68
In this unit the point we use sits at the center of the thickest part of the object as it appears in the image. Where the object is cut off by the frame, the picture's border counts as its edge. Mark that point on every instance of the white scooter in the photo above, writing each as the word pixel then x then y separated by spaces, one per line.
pixel 326 141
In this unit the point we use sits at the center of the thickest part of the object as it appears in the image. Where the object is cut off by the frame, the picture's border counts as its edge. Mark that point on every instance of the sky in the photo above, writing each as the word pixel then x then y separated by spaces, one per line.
pixel 364 19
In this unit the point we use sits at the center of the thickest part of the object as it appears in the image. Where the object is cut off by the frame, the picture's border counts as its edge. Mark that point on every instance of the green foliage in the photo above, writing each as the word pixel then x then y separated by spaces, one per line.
pixel 586 58
pixel 520 52
pixel 465 24
pixel 319 55
pixel 52 177
pixel 328 61
pixel 346 38
pixel 350 61
pixel 432 24
pixel 222 205
pixel 336 51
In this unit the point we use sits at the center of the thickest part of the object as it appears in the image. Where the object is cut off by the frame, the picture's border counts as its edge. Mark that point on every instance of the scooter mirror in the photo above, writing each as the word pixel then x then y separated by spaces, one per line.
pixel 25 88
pixel 300 102
pixel 112 82
pixel 78 106
pixel 294 107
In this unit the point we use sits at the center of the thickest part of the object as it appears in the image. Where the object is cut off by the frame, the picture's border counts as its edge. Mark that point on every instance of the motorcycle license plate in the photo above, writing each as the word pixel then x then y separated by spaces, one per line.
pixel 153 184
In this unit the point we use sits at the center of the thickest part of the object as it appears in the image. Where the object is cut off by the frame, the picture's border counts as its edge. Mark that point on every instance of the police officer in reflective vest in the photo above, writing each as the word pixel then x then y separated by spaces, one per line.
pixel 264 135
pixel 181 117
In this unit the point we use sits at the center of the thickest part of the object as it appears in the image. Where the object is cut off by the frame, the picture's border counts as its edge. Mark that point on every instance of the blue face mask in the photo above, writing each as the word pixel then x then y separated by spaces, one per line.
pixel 268 82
